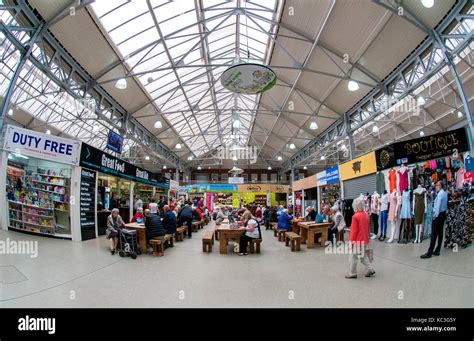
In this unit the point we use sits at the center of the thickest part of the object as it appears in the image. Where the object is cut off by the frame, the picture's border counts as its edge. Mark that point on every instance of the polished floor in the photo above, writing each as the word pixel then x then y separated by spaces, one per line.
pixel 74 274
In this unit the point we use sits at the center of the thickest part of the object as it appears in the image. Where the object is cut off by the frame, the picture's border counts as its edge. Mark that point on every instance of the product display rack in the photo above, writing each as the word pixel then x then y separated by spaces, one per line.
pixel 260 199
pixel 330 194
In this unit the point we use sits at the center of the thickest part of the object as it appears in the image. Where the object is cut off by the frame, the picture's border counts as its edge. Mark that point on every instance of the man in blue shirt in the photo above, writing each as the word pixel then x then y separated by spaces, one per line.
pixel 439 217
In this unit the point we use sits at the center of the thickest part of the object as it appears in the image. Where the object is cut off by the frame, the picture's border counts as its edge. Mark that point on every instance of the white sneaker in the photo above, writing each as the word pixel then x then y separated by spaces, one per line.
pixel 374 236
pixel 389 241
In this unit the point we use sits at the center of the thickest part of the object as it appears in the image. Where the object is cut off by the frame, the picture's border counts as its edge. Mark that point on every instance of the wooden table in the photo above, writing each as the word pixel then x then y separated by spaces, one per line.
pixel 141 234
pixel 226 233
pixel 308 231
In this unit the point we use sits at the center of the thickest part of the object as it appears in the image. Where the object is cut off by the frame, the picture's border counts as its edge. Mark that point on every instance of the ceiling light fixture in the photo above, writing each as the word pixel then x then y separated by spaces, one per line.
pixel 48 131
pixel 158 124
pixel 164 167
pixel 234 158
pixel 305 167
pixel 121 84
pixel 10 112
pixel 460 114
pixel 199 168
pixel 352 86
pixel 323 158
pixel 343 148
pixel 420 101
pixel 190 158
pixel 292 146
pixel 178 145
pixel 269 168
pixel 236 124
pixel 147 157
pixel 427 3
pixel 313 125
pixel 375 129
pixel 279 158
pixel 422 133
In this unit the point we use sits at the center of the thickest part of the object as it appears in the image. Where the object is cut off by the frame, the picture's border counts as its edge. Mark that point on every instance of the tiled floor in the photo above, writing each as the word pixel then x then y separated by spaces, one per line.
pixel 75 274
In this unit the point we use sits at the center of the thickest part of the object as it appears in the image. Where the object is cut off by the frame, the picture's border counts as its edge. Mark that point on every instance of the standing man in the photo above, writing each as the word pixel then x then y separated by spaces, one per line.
pixel 439 217
pixel 185 216
pixel 138 203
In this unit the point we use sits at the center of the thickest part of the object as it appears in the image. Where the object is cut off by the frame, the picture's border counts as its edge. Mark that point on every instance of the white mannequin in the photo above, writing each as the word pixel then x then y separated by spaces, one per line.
pixel 393 224
pixel 375 209
pixel 403 169
pixel 418 227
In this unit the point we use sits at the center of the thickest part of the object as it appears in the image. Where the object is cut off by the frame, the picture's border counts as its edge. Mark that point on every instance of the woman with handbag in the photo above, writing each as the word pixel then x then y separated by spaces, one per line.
pixel 359 240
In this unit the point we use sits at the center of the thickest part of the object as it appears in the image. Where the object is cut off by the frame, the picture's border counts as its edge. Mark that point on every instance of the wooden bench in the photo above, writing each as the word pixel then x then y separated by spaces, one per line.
pixel 274 228
pixel 195 226
pixel 294 239
pixel 180 232
pixel 208 241
pixel 157 244
pixel 255 245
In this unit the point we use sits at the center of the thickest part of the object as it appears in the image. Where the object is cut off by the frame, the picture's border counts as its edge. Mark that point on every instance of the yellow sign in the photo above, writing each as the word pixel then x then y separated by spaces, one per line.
pixel 363 165
pixel 257 188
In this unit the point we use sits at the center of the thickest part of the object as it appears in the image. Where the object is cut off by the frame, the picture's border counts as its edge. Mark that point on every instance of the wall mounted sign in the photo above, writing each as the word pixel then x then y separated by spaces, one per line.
pixel 263 188
pixel 43 146
pixel 431 147
pixel 361 166
pixel 385 157
pixel 87 204
pixel 248 78
pixel 100 161
pixel 327 177
pixel 174 185
pixel 236 180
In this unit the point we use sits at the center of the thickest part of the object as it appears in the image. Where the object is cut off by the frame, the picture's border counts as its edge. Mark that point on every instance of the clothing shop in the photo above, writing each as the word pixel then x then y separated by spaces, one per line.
pixel 329 187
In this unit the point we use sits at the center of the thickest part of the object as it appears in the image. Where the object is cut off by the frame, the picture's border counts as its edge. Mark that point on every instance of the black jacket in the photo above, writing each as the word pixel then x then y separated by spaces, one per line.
pixel 272 216
pixel 311 215
pixel 169 222
pixel 196 216
pixel 186 212
pixel 154 227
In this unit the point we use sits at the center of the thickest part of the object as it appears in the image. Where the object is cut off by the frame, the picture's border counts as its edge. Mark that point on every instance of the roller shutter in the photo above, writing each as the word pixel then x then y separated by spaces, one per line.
pixel 354 187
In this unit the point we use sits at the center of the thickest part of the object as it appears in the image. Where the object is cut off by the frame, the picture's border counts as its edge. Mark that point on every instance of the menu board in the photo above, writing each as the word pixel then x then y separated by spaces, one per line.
pixel 87 202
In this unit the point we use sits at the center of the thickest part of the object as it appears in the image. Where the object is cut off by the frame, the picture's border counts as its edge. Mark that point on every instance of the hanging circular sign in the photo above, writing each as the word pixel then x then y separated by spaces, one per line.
pixel 248 78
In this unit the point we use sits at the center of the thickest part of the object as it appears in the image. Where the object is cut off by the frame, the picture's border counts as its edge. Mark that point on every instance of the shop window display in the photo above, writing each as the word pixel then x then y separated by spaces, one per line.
pixel 38 194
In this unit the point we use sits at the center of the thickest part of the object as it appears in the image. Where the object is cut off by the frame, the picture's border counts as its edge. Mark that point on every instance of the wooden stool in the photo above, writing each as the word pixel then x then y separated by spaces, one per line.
pixel 281 235
pixel 169 239
pixel 195 226
pixel 255 245
pixel 295 240
pixel 157 245
pixel 208 241
pixel 180 231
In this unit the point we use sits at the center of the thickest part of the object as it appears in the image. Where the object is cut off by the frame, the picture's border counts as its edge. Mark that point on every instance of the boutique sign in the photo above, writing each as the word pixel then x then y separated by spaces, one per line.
pixel 100 161
pixel 43 146
pixel 431 147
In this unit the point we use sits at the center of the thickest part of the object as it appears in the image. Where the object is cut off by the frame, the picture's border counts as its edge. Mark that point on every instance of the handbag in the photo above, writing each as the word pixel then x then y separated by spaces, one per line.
pixel 370 254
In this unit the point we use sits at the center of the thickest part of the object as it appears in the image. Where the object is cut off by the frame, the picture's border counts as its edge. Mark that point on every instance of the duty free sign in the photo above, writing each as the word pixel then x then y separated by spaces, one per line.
pixel 43 146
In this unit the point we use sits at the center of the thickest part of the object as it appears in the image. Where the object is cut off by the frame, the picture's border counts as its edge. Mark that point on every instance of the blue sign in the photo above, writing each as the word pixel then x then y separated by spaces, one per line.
pixel 332 175
pixel 114 142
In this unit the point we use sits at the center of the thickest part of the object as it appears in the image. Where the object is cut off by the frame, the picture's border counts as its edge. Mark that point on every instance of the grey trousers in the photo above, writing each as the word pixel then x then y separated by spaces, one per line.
pixel 353 262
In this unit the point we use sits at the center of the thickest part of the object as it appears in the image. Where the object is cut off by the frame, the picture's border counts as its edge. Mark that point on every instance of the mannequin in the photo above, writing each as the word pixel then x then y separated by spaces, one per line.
pixel 405 215
pixel 380 182
pixel 402 178
pixel 419 208
pixel 367 203
pixel 384 215
pixel 393 214
pixel 374 212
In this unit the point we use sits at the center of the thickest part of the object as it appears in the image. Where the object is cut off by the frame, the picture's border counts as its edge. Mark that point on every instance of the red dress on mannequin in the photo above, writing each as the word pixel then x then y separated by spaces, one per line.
pixel 403 180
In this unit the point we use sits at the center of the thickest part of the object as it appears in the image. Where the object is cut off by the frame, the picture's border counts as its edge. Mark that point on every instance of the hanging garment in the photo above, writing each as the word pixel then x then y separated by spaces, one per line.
pixel 469 164
pixel 449 175
pixel 380 182
pixel 415 178
pixel 456 162
pixel 455 223
pixel 468 236
pixel 392 178
pixel 405 213
pixel 392 212
pixel 403 180
pixel 468 177
pixel 460 178
pixel 419 207
pixel 428 221
pixel 448 162
pixel 433 165
pixel 435 177
pixel 367 204
pixel 375 204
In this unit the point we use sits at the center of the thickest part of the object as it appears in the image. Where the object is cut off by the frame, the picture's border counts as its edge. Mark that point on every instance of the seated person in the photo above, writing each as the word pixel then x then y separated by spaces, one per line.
pixel 220 216
pixel 114 225
pixel 199 210
pixel 284 221
pixel 311 214
pixel 153 225
pixel 169 220
pixel 196 216
pixel 252 231
pixel 324 216
pixel 139 217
